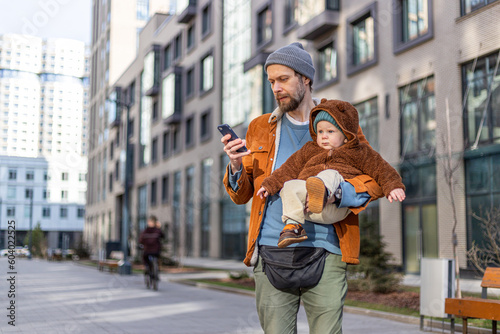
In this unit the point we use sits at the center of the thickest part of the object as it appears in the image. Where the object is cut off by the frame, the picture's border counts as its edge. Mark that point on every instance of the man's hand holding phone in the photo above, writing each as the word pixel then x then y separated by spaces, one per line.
pixel 233 146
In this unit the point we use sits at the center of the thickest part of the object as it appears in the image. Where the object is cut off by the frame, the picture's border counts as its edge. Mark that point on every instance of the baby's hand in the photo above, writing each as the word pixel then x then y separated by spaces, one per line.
pixel 397 195
pixel 262 192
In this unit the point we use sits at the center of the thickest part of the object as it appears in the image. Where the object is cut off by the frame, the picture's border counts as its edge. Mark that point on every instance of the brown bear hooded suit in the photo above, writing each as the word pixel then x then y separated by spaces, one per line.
pixel 350 160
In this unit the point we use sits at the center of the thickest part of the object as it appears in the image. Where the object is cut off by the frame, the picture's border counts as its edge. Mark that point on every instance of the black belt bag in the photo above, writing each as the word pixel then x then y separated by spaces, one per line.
pixel 290 268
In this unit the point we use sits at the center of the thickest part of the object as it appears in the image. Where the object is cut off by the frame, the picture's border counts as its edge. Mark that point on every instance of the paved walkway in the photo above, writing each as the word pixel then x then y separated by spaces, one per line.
pixel 63 297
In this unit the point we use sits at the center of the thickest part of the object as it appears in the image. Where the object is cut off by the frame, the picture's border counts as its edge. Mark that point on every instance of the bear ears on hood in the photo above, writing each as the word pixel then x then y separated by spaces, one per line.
pixel 343 112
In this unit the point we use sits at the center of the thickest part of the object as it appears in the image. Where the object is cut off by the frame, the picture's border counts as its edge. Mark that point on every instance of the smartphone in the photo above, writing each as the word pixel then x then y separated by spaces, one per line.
pixel 225 129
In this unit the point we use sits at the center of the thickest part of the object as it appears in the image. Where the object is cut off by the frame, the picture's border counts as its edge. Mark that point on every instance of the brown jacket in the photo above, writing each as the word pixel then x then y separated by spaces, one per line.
pixel 261 138
pixel 350 160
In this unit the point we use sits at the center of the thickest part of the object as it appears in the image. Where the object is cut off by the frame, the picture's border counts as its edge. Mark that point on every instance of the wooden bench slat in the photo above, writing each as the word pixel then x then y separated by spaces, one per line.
pixel 473 308
pixel 491 278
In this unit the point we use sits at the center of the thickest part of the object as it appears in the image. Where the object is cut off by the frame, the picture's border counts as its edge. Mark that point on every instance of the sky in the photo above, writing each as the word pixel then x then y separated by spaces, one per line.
pixel 47 18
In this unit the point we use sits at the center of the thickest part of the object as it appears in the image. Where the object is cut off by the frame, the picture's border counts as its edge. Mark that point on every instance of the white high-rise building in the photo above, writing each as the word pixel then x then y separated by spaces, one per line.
pixel 43 117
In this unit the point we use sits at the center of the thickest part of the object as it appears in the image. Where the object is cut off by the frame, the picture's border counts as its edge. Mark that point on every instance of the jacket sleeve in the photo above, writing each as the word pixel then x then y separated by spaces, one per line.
pixel 381 171
pixel 289 170
pixel 245 182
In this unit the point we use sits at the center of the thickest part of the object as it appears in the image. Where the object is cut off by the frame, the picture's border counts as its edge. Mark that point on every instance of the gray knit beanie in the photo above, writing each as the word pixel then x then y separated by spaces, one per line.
pixel 325 116
pixel 295 57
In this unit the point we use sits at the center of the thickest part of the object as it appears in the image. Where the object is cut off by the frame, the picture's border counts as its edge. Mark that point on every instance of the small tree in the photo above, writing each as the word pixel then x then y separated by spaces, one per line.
pixel 38 242
pixel 487 253
pixel 375 273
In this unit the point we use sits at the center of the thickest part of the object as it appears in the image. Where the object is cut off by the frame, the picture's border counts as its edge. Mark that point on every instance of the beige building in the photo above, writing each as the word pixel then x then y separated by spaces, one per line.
pixel 422 74
pixel 115 36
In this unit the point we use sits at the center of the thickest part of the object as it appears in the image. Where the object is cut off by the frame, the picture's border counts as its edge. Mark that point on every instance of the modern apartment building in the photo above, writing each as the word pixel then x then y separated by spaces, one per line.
pixel 422 74
pixel 116 26
pixel 43 119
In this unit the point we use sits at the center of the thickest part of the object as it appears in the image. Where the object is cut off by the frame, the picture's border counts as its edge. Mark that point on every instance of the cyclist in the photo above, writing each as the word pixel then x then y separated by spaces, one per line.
pixel 151 240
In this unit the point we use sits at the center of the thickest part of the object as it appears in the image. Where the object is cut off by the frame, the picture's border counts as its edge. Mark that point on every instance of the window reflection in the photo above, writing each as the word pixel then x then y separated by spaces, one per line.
pixel 327 67
pixel 364 41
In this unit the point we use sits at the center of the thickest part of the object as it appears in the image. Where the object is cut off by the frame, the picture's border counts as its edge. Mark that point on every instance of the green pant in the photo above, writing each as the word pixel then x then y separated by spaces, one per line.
pixel 323 303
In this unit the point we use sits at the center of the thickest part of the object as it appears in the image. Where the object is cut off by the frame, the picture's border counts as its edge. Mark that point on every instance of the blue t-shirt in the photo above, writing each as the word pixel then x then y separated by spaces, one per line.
pixel 292 138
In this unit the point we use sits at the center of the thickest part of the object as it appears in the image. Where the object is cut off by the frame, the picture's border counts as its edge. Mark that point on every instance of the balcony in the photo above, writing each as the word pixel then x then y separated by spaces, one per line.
pixel 171 96
pixel 324 22
pixel 186 10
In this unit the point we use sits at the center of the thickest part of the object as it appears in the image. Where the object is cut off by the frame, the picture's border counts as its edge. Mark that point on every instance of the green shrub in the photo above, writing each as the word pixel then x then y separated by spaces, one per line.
pixel 374 273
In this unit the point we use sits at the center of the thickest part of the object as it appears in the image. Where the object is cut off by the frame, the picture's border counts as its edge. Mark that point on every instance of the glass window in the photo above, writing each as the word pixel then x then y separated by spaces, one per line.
pixel 142 194
pixel 206 20
pixel 205 125
pixel 168 96
pixel 178 47
pixel 27 211
pixel 233 222
pixel 420 227
pixel 11 211
pixel 148 74
pixel 28 193
pixel 415 19
pixel 64 176
pixel 167 57
pixel 63 212
pixel 412 23
pixel 30 175
pixel 164 189
pixel 46 212
pixel 154 150
pixel 368 121
pixel 363 41
pixel 206 199
pixel 189 219
pixel 207 73
pixel 176 216
pixel 166 144
pixel 176 140
pixel 264 26
pixel 64 194
pixel 472 5
pixel 418 119
pixel 11 192
pixel 482 101
pixel 327 63
pixel 190 36
pixel 12 174
pixel 154 191
pixel 190 82
pixel 143 10
pixel 482 184
pixel 291 8
pixel 80 212
pixel 189 131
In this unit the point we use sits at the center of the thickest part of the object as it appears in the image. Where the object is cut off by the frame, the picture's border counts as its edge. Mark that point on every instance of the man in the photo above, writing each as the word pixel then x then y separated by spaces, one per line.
pixel 271 139
pixel 150 238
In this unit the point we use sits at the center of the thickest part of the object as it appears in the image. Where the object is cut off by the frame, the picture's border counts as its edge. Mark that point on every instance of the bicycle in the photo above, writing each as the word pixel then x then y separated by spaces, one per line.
pixel 151 277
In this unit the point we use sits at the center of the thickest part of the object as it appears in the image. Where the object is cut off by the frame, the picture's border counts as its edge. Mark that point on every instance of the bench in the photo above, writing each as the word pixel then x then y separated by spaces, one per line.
pixel 479 308
pixel 112 263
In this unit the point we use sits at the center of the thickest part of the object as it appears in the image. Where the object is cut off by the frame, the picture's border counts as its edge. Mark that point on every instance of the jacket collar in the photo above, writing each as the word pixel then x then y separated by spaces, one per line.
pixel 277 113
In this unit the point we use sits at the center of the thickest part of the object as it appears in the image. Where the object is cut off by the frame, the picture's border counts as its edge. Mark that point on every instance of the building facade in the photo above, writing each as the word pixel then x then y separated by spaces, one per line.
pixel 422 74
pixel 43 123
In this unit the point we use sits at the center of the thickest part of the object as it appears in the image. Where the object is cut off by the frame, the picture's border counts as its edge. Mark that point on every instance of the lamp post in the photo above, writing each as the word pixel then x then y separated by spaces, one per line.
pixel 125 268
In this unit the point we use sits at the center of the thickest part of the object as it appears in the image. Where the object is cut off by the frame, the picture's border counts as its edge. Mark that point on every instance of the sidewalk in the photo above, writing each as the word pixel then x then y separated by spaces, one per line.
pixel 65 297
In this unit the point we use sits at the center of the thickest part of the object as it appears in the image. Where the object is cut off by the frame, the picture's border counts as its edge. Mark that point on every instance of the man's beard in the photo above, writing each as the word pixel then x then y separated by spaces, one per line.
pixel 295 99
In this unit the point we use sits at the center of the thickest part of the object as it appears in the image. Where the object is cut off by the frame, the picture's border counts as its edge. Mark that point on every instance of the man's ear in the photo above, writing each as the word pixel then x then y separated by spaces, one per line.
pixel 306 80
